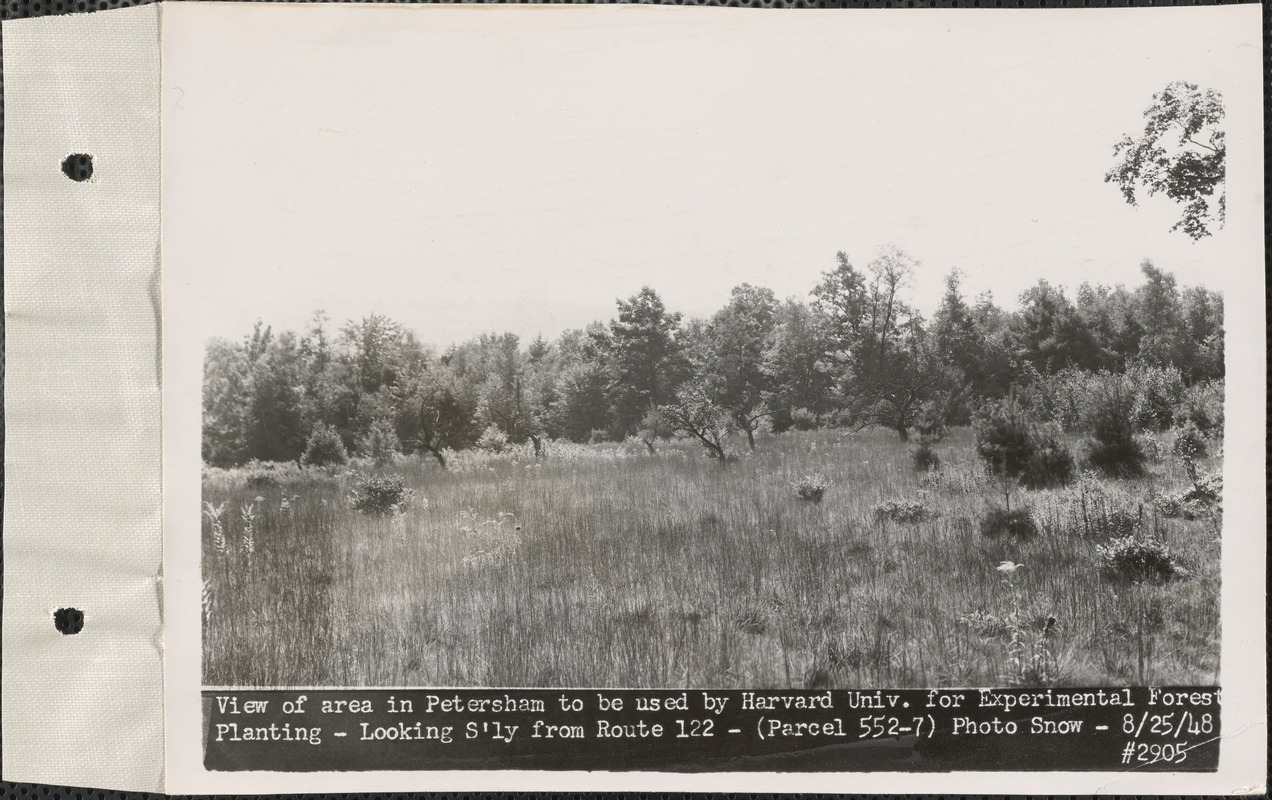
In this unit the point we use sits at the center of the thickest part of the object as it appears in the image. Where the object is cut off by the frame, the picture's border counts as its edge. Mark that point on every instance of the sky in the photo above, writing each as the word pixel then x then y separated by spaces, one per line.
pixel 478 168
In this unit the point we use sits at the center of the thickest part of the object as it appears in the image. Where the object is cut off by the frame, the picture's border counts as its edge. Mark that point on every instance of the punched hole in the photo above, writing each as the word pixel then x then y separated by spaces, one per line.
pixel 78 166
pixel 69 621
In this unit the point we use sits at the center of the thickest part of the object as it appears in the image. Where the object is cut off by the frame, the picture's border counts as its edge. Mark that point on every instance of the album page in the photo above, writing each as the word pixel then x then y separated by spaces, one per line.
pixel 670 398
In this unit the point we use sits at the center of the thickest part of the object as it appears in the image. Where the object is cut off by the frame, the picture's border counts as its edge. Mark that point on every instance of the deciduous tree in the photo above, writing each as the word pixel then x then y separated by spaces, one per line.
pixel 1180 154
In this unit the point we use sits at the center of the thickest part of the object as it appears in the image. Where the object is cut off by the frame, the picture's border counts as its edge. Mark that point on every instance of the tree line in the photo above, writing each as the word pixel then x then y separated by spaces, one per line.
pixel 854 353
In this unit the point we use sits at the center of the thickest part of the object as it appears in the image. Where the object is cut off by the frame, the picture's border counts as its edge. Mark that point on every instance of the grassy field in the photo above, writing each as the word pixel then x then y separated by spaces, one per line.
pixel 605 566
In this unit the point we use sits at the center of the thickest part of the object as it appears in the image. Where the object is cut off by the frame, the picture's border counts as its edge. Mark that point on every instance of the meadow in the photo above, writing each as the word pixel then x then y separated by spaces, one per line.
pixel 607 566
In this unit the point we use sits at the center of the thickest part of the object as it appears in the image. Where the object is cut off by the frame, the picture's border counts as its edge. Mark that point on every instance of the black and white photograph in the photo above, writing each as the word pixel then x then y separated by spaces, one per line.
pixel 628 397
pixel 594 369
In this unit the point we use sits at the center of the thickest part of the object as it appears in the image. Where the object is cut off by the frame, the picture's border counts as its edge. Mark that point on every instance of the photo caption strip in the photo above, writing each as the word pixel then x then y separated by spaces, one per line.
pixel 1171 729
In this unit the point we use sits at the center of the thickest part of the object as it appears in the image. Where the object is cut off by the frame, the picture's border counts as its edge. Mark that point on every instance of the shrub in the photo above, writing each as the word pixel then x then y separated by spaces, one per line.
pixel 1189 443
pixel 1013 447
pixel 1137 560
pixel 1202 405
pixel 1002 438
pixel 1113 448
pixel 1195 501
pixel 803 420
pixel 925 457
pixel 1051 465
pixel 1017 523
pixel 381 443
pixel 493 439
pixel 1152 447
pixel 1155 394
pixel 811 488
pixel 380 494
pixel 903 511
pixel 324 448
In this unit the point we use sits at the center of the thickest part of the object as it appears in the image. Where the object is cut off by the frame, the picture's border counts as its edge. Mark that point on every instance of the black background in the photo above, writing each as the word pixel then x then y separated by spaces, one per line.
pixel 19 9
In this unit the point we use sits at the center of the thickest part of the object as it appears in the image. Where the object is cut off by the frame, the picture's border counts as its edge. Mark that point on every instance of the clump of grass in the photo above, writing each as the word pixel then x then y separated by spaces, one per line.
pixel 811 488
pixel 380 494
pixel 925 458
pixel 983 623
pixel 490 541
pixel 1017 523
pixel 1137 559
pixel 907 511
pixel 1090 510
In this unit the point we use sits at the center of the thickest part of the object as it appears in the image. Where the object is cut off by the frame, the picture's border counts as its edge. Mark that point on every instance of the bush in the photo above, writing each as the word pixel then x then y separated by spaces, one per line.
pixel 1202 405
pixel 811 488
pixel 1189 443
pixel 492 440
pixel 1137 560
pixel 1152 447
pixel 1195 501
pixel 1012 446
pixel 324 449
pixel 1002 438
pixel 903 511
pixel 380 494
pixel 1051 465
pixel 925 457
pixel 381 443
pixel 804 420
pixel 1017 523
pixel 1113 448
pixel 1154 395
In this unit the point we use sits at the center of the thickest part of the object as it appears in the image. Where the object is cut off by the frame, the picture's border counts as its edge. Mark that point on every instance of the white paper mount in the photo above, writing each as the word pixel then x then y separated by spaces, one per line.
pixel 83 497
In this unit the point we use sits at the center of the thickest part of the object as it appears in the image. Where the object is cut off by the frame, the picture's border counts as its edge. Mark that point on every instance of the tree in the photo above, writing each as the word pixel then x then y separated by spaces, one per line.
pixel 739 336
pixel 963 339
pixel 1181 155
pixel 1049 333
pixel 919 383
pixel 698 413
pixel 1113 317
pixel 1203 316
pixel 275 431
pixel 867 319
pixel 505 396
pixel 1161 315
pixel 581 378
pixel 226 376
pixel 438 411
pixel 799 375
pixel 643 357
pixel 840 298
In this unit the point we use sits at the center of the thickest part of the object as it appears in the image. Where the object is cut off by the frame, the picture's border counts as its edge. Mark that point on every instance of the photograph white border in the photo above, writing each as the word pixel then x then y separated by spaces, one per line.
pixel 1243 752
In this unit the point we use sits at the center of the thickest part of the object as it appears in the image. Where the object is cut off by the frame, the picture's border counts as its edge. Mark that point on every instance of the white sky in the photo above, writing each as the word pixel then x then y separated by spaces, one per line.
pixel 479 168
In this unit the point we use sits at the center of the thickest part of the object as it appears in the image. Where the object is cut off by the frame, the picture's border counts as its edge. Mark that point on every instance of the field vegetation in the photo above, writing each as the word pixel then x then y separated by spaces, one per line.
pixel 604 565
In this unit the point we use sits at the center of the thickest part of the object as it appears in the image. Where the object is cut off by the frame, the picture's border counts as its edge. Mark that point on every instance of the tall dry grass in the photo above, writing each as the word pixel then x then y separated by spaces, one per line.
pixel 606 566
